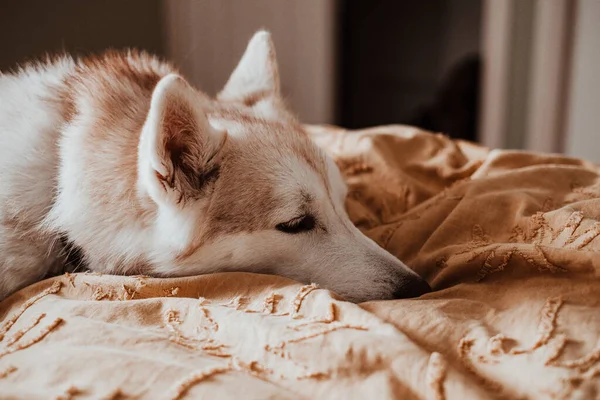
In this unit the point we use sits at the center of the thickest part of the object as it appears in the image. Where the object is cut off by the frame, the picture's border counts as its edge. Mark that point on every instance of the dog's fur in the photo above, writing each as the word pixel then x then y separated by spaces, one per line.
pixel 146 175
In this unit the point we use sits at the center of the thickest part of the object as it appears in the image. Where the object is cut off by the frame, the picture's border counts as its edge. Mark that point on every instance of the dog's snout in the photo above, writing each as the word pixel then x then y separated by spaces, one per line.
pixel 413 287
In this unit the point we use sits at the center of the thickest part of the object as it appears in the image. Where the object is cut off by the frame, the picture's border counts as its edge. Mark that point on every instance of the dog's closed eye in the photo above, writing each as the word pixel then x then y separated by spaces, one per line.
pixel 300 224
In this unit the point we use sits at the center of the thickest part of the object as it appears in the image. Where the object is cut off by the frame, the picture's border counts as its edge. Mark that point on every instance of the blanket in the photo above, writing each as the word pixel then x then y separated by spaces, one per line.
pixel 508 240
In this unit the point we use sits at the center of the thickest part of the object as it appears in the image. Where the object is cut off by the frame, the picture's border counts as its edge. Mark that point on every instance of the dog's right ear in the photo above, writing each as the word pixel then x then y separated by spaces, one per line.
pixel 179 150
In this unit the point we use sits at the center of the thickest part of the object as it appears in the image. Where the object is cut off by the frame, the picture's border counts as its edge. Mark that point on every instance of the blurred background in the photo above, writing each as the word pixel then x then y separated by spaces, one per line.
pixel 519 74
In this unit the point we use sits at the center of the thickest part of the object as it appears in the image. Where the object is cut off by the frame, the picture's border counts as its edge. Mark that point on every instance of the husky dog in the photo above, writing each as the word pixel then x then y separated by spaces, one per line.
pixel 120 158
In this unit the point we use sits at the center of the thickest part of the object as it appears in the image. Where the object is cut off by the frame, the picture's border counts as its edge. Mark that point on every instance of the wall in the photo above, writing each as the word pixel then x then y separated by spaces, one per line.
pixel 32 28
pixel 526 59
pixel 207 38
pixel 583 126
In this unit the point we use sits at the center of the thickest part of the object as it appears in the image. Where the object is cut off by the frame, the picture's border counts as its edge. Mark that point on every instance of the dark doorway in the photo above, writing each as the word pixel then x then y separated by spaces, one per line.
pixel 410 62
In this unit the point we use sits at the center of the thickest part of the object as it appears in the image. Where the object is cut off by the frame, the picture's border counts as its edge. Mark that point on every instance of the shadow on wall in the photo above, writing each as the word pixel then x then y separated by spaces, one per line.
pixel 454 110
pixel 410 62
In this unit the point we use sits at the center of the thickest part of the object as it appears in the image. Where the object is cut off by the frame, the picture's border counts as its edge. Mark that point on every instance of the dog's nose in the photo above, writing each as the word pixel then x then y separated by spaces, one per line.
pixel 414 287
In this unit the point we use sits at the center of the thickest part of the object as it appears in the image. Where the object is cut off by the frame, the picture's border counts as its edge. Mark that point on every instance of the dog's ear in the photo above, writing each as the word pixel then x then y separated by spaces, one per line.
pixel 255 78
pixel 179 150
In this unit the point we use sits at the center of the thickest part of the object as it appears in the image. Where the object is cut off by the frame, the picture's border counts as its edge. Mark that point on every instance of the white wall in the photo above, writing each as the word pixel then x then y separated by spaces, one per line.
pixel 583 123
pixel 207 38
pixel 526 57
pixel 496 22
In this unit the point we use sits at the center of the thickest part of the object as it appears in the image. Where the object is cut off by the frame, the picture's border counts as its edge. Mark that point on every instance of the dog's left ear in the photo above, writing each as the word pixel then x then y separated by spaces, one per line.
pixel 255 78
pixel 179 150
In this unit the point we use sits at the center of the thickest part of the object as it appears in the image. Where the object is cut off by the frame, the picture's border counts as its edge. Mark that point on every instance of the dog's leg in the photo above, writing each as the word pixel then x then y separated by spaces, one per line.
pixel 25 258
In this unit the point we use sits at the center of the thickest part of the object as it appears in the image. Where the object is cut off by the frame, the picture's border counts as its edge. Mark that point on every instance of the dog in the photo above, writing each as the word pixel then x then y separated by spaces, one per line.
pixel 119 158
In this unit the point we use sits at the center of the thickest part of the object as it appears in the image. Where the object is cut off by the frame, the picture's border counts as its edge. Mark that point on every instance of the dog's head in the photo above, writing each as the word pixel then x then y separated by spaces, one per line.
pixel 241 187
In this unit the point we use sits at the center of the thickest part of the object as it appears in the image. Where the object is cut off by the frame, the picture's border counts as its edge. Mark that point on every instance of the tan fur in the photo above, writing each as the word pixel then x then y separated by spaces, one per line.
pixel 118 87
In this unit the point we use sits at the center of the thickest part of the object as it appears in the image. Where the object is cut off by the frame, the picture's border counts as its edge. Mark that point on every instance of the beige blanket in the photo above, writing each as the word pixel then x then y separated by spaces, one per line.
pixel 509 241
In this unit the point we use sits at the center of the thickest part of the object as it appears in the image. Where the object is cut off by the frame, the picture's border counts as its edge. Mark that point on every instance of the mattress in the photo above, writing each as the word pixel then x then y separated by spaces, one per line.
pixel 508 240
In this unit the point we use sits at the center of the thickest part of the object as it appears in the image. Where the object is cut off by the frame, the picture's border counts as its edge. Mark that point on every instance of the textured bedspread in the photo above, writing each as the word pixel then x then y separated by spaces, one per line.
pixel 509 240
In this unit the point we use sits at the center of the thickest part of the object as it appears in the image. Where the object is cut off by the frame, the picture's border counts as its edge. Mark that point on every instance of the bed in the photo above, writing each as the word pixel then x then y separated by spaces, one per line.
pixel 508 240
